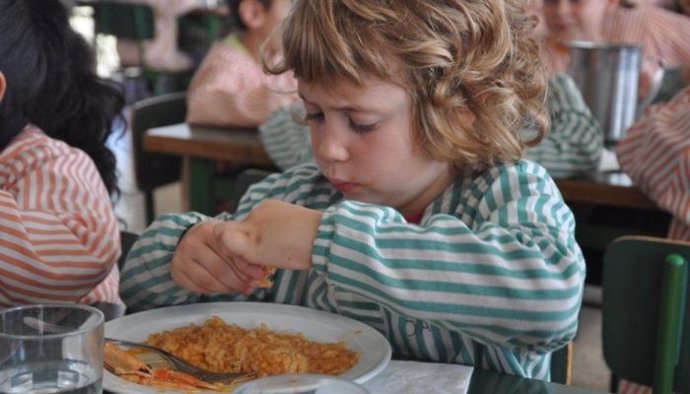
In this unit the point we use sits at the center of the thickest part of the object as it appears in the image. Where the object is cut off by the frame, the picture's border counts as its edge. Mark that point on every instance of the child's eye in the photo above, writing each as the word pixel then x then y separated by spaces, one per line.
pixel 361 128
pixel 317 116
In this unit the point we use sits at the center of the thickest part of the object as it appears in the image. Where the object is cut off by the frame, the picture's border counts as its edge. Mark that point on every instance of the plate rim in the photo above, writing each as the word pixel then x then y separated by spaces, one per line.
pixel 254 305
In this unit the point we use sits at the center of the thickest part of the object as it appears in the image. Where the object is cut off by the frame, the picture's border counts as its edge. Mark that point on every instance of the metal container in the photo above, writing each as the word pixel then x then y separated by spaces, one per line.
pixel 607 75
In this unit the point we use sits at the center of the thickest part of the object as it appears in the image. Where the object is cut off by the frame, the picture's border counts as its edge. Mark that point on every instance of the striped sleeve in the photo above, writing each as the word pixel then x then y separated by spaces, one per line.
pixel 575 141
pixel 663 34
pixel 655 153
pixel 146 279
pixel 231 89
pixel 507 272
pixel 59 239
pixel 286 141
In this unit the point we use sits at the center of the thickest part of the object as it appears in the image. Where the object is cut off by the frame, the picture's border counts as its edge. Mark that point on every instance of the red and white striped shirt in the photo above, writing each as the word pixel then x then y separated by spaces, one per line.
pixel 662 34
pixel 59 238
pixel 231 89
pixel 655 153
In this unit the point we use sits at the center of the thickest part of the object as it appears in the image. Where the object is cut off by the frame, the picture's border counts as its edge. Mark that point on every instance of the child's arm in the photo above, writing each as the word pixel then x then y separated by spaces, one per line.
pixel 502 268
pixel 575 140
pixel 147 280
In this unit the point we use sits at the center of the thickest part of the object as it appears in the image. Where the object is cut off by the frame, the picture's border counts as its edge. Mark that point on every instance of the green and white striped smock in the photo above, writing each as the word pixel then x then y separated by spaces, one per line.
pixel 575 141
pixel 491 271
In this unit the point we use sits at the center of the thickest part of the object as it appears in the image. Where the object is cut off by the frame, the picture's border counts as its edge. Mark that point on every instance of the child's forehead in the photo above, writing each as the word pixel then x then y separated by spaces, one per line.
pixel 343 86
pixel 372 92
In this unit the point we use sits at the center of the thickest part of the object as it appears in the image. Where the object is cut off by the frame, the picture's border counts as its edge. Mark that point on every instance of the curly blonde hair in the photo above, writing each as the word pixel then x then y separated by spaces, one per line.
pixel 453 57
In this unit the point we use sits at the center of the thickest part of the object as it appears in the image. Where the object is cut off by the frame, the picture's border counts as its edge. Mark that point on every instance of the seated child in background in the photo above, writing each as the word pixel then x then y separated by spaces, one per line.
pixel 59 238
pixel 419 216
pixel 655 153
pixel 662 34
pixel 230 87
pixel 575 140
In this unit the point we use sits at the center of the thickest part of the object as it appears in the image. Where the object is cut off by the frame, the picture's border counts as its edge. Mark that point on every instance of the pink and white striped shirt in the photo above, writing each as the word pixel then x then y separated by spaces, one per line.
pixel 655 153
pixel 59 238
pixel 231 89
pixel 662 34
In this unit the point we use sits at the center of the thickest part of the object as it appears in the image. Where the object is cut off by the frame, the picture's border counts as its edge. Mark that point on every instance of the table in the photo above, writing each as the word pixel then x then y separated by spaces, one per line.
pixel 201 147
pixel 605 188
pixel 487 382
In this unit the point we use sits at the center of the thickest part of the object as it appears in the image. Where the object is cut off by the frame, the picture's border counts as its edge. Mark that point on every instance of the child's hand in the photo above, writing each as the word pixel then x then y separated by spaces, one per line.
pixel 275 234
pixel 202 264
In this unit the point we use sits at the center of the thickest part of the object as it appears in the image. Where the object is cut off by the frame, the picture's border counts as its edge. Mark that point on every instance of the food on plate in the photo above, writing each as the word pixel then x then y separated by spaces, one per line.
pixel 220 347
pixel 266 281
pixel 125 365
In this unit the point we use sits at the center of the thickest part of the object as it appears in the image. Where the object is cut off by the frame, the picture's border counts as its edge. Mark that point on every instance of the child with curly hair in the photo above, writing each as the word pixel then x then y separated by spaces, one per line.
pixel 419 216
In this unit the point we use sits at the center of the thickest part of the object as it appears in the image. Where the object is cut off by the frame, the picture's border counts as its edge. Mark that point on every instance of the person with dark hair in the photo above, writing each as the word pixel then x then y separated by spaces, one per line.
pixel 59 237
pixel 230 87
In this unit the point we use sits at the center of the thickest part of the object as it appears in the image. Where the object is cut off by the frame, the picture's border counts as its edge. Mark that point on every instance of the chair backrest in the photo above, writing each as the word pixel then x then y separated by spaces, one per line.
pixel 127 239
pixel 646 321
pixel 152 170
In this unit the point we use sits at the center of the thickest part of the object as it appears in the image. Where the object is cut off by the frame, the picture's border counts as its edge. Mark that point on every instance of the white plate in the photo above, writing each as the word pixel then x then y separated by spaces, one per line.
pixel 373 348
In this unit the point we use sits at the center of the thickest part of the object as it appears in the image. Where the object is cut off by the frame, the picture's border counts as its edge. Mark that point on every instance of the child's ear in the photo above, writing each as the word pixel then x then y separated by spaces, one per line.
pixel 252 13
pixel 3 85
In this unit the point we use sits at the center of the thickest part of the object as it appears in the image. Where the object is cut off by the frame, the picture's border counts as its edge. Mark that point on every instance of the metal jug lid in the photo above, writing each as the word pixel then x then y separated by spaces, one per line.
pixel 601 45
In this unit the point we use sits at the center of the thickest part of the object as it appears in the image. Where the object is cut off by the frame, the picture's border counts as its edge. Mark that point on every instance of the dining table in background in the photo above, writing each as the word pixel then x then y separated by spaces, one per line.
pixel 203 146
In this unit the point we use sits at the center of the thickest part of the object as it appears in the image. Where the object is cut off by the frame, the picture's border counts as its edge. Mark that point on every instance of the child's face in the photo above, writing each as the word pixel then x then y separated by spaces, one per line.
pixel 362 140
pixel 576 19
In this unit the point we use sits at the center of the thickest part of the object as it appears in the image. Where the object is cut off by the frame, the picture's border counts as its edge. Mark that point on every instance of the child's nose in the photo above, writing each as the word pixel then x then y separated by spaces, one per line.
pixel 332 145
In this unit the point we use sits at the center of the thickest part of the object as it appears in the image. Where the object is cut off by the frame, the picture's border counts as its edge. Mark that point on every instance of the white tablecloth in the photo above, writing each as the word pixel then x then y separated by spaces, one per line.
pixel 413 377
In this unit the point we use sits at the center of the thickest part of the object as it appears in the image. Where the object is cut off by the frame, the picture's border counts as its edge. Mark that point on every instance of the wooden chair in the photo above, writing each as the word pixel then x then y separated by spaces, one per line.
pixel 562 365
pixel 136 22
pixel 646 316
pixel 152 170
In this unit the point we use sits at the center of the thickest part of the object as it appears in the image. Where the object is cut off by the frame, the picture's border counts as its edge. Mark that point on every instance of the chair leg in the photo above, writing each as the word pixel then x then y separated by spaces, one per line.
pixel 613 383
pixel 148 206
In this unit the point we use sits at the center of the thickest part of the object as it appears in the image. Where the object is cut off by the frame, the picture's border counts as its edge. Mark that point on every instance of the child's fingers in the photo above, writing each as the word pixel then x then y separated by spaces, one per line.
pixel 237 242
pixel 195 277
pixel 208 272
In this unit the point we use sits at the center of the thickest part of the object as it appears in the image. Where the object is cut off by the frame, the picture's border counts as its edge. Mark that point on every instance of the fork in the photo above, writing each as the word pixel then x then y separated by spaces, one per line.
pixel 183 366
pixel 179 364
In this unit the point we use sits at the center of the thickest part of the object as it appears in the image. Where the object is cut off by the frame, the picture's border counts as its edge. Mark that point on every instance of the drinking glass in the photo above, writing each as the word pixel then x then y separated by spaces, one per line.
pixel 64 356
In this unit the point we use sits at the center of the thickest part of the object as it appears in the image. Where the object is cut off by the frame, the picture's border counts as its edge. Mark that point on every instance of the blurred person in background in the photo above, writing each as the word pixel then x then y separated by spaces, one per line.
pixel 230 87
pixel 662 34
pixel 59 237
pixel 655 153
